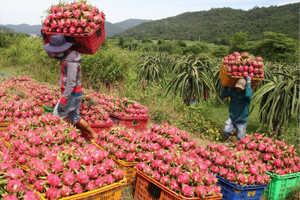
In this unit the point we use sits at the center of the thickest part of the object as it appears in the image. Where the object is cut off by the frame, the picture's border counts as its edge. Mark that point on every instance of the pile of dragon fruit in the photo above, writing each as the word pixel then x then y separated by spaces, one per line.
pixel 244 65
pixel 23 97
pixel 76 18
pixel 166 154
pixel 277 156
pixel 239 167
pixel 136 146
pixel 57 160
pixel 93 113
pixel 120 107
pixel 12 178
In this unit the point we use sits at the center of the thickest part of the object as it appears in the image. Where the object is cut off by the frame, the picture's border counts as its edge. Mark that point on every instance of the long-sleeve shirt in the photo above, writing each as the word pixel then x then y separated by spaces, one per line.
pixel 239 102
pixel 70 75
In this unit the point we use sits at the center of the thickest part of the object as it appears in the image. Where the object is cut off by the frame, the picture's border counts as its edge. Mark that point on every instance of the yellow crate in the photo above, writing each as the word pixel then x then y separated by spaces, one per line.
pixel 126 167
pixel 4 124
pixel 110 192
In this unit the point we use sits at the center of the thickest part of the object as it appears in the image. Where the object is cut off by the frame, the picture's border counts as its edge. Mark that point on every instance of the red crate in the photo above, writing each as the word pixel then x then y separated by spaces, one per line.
pixel 138 124
pixel 86 44
pixel 97 128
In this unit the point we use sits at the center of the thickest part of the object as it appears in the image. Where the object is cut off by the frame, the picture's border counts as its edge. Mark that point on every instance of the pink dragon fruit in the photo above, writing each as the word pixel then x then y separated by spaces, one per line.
pixel 14 186
pixel 68 178
pixel 74 165
pixel 10 197
pixel 82 178
pixel 77 188
pixel 183 178
pixel 108 179
pixel 118 174
pixel 187 191
pixel 53 180
pixel 201 191
pixel 65 191
pixel 52 193
pixel 30 195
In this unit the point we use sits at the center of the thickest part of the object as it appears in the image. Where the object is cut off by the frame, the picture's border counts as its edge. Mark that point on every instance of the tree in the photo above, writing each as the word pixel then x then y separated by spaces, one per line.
pixel 192 78
pixel 279 99
pixel 238 42
pixel 277 47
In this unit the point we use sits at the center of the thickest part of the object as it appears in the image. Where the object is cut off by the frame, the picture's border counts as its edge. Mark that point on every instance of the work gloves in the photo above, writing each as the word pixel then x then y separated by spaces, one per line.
pixel 248 79
pixel 61 108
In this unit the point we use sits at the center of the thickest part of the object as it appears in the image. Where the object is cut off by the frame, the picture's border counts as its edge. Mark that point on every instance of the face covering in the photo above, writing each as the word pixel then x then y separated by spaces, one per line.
pixel 60 55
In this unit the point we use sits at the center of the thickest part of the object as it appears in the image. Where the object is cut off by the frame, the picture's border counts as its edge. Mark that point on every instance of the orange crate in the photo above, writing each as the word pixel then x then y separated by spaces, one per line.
pixel 110 192
pixel 126 167
pixel 138 124
pixel 229 80
pixel 87 44
pixel 150 189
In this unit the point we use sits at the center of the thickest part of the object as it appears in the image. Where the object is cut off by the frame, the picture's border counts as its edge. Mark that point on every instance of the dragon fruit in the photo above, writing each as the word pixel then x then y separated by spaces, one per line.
pixel 187 191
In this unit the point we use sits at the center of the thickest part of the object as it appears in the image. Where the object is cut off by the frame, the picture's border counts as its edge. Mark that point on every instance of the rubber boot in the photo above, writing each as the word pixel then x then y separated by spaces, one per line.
pixel 83 125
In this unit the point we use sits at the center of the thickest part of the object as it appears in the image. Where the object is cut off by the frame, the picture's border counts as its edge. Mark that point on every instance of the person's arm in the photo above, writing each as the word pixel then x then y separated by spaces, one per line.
pixel 71 81
pixel 248 90
pixel 225 92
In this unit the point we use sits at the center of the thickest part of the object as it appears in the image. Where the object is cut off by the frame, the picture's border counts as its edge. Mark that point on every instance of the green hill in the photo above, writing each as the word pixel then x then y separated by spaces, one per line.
pixel 6 30
pixel 219 24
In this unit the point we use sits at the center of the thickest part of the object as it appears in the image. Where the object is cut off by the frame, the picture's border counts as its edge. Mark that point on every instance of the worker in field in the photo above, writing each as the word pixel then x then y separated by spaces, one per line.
pixel 69 81
pixel 240 97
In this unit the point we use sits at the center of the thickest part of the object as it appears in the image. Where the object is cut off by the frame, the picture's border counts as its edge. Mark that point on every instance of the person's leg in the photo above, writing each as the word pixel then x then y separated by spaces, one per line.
pixel 228 128
pixel 73 114
pixel 240 129
pixel 83 125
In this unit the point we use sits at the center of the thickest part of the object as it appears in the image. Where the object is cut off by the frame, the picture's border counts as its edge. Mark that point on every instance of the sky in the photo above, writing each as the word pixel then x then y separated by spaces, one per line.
pixel 32 12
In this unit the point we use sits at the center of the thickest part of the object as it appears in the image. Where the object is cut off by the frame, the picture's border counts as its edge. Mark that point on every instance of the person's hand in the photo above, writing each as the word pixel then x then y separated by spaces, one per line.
pixel 248 79
pixel 61 108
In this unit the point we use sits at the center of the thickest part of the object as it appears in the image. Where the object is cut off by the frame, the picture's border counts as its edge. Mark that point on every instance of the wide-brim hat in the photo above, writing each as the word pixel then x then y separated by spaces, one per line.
pixel 241 83
pixel 58 43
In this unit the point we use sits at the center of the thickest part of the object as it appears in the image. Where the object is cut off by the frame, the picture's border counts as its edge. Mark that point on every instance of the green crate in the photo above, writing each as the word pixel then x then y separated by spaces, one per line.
pixel 46 109
pixel 282 186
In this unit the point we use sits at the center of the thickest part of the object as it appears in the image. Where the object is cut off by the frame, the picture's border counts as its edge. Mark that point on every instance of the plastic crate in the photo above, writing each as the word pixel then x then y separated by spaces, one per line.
pixel 150 189
pixel 138 124
pixel 97 128
pixel 110 192
pixel 229 80
pixel 87 44
pixel 3 126
pixel 282 186
pixel 232 191
pixel 46 109
pixel 126 167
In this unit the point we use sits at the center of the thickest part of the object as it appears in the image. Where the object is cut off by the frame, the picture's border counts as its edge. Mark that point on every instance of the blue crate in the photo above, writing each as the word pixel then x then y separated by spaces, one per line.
pixel 232 191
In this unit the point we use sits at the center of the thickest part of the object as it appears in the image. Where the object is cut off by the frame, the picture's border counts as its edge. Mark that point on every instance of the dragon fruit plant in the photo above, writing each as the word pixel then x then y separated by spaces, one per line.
pixel 239 167
pixel 244 65
pixel 277 156
pixel 75 18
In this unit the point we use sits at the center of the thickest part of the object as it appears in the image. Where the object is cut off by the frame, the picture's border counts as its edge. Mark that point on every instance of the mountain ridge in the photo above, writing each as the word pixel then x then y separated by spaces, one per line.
pixel 110 28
